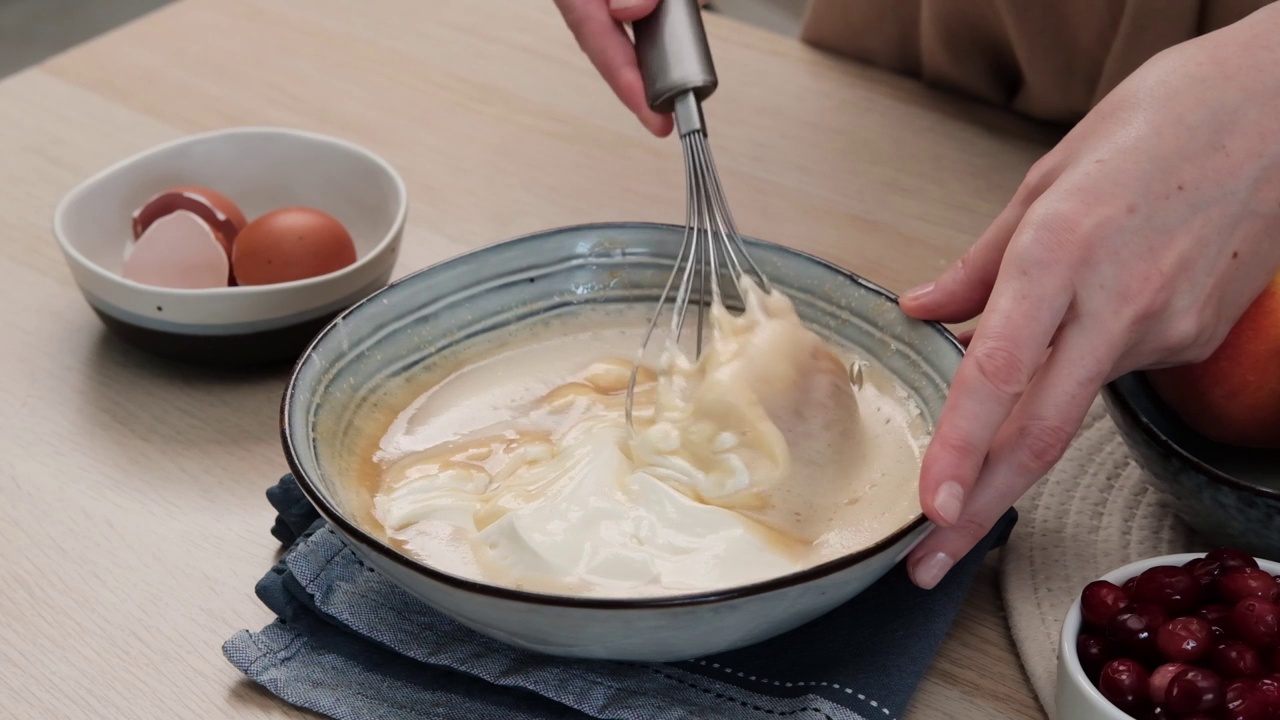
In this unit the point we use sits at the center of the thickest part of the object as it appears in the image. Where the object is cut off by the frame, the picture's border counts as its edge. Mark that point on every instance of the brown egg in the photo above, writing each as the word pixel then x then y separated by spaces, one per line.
pixel 291 243
pixel 222 215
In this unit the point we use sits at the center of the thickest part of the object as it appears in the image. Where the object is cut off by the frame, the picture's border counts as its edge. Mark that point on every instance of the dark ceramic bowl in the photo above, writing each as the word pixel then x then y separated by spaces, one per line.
pixel 1229 495
pixel 261 169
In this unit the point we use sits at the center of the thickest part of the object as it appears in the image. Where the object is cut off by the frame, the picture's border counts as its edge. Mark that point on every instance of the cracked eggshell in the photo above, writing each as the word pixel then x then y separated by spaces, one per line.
pixel 178 250
pixel 223 216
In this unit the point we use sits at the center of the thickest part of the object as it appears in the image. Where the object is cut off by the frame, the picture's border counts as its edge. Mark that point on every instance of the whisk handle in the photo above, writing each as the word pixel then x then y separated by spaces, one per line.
pixel 675 59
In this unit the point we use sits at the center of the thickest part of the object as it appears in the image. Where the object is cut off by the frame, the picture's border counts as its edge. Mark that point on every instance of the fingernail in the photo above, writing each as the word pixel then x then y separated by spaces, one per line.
pixel 949 501
pixel 930 570
pixel 623 4
pixel 918 292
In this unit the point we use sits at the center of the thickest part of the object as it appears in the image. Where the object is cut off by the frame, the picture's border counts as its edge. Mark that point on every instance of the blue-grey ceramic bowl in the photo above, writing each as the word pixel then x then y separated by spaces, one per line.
pixel 396 331
pixel 1229 495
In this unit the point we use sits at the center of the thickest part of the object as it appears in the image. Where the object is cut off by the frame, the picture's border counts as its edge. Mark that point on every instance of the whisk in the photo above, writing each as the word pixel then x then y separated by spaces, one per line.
pixel 675 62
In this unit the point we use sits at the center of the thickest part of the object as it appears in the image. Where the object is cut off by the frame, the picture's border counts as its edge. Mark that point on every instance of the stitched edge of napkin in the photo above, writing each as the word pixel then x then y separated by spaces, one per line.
pixel 1094 512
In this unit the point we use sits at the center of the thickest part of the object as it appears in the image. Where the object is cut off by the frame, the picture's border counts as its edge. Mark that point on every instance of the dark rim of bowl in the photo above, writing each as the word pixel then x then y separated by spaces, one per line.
pixel 1120 399
pixel 703 598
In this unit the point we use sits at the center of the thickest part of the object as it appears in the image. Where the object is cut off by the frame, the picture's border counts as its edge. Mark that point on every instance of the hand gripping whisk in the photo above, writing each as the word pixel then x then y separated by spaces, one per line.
pixel 675 61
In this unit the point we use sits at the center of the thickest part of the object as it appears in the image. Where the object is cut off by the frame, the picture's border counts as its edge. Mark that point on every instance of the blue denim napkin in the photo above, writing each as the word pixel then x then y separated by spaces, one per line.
pixel 351 645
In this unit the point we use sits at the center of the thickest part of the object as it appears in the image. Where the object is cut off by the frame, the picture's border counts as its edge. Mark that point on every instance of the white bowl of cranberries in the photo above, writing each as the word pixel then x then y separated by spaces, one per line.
pixel 1185 637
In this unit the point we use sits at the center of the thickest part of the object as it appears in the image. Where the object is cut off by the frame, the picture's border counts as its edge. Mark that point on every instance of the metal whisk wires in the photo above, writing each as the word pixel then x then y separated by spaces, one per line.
pixel 711 245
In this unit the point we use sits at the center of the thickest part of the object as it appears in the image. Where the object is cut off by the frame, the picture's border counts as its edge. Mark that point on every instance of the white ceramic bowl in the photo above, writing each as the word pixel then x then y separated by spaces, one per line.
pixel 1077 698
pixel 260 169
pixel 404 326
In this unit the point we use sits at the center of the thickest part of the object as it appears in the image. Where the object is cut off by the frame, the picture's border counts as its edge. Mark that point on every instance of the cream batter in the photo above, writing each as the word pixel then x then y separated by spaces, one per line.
pixel 758 460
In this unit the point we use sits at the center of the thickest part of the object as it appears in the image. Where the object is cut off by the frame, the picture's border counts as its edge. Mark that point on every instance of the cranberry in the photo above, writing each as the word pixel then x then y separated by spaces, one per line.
pixel 1172 588
pixel 1240 583
pixel 1229 558
pixel 1219 617
pixel 1100 601
pixel 1233 659
pixel 1129 585
pixel 1256 622
pixel 1247 708
pixel 1194 690
pixel 1134 630
pixel 1094 652
pixel 1125 684
pixel 1184 639
pixel 1237 690
pixel 1160 678
pixel 1268 689
pixel 1205 571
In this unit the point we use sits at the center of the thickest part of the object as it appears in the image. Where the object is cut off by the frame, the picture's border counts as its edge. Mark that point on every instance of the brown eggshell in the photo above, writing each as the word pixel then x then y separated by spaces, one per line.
pixel 178 250
pixel 291 243
pixel 217 210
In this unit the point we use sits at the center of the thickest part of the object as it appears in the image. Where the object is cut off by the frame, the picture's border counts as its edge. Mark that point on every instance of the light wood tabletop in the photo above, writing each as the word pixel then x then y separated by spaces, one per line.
pixel 132 519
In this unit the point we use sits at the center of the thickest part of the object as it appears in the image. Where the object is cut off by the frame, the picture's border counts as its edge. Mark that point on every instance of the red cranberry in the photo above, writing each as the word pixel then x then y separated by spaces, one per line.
pixel 1094 652
pixel 1256 622
pixel 1219 617
pixel 1129 585
pixel 1239 702
pixel 1229 558
pixel 1194 690
pixel 1205 571
pixel 1134 628
pixel 1125 684
pixel 1237 690
pixel 1100 601
pixel 1268 689
pixel 1247 708
pixel 1172 588
pixel 1184 639
pixel 1160 678
pixel 1233 659
pixel 1240 583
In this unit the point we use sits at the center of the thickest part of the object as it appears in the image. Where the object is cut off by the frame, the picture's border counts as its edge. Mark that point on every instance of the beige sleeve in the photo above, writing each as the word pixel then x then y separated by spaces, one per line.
pixel 1049 60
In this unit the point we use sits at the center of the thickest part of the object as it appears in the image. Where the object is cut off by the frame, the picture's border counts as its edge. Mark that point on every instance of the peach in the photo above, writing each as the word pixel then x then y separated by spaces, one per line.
pixel 1233 397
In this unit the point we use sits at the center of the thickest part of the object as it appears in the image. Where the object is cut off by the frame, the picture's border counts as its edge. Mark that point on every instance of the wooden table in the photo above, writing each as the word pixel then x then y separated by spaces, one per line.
pixel 132 518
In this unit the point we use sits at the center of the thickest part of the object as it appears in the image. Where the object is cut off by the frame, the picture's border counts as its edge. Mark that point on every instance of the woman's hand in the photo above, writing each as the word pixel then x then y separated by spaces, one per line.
pixel 1136 243
pixel 597 26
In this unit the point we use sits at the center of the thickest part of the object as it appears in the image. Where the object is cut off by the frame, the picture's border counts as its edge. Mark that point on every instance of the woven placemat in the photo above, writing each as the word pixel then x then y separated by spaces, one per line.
pixel 1094 512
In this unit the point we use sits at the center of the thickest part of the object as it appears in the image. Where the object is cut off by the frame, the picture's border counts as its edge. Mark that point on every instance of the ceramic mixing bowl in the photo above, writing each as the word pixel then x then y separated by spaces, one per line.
pixel 260 169
pixel 401 327
pixel 1229 495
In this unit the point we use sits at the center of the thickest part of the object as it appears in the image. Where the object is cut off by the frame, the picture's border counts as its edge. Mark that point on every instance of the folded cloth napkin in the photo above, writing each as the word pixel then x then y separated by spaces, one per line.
pixel 350 644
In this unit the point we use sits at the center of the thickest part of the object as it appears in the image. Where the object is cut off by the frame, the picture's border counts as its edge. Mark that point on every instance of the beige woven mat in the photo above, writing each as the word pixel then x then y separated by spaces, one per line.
pixel 1093 513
